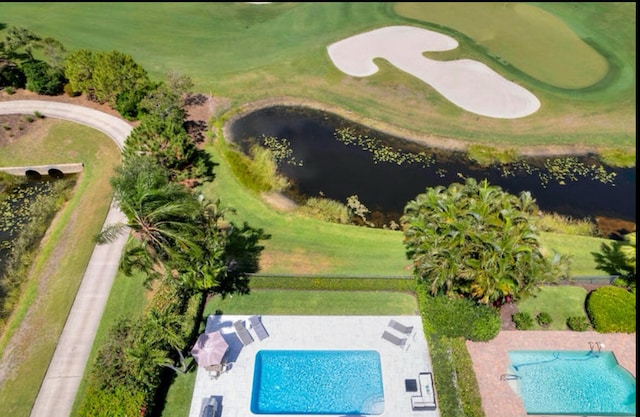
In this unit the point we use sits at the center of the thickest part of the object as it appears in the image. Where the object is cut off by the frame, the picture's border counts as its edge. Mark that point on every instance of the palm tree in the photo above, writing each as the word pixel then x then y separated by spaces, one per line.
pixel 160 215
pixel 475 240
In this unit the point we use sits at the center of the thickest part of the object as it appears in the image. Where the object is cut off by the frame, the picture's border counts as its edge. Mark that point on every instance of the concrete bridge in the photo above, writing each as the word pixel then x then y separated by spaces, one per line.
pixel 37 171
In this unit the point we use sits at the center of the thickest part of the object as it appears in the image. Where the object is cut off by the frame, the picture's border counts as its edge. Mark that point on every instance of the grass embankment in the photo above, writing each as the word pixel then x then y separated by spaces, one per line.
pixel 64 253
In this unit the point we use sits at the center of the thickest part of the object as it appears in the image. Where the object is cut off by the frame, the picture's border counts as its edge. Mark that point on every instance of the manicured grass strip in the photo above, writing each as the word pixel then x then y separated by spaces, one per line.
pixel 327 303
pixel 560 302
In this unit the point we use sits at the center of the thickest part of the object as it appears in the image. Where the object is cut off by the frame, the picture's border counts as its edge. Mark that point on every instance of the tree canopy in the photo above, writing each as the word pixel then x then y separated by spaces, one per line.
pixel 477 241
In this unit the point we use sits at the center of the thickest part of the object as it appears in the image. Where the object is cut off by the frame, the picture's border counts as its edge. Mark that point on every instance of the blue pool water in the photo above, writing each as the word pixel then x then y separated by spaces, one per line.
pixel 345 382
pixel 584 383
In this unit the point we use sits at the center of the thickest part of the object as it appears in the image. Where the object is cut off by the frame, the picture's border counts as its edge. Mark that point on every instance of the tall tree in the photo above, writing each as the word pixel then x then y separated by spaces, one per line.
pixel 161 216
pixel 115 73
pixel 475 240
pixel 78 69
pixel 20 38
pixel 166 140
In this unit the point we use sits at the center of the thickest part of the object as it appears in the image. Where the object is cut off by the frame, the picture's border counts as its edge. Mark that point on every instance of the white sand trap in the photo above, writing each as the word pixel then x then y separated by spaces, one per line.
pixel 469 84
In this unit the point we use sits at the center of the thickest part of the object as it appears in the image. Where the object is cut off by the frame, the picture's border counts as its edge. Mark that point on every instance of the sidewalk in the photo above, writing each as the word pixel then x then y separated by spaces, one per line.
pixel 60 385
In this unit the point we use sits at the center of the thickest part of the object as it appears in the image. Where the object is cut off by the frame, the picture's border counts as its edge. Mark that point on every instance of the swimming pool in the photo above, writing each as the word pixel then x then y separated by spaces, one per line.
pixel 345 382
pixel 584 383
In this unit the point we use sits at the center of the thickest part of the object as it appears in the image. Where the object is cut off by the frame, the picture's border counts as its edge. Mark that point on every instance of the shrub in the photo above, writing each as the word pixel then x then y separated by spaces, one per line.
pixel 578 323
pixel 544 319
pixel 612 309
pixel 522 320
pixel 462 317
pixel 326 210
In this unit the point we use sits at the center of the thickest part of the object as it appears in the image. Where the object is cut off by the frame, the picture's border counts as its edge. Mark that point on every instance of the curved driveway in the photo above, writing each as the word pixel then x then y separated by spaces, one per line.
pixel 60 385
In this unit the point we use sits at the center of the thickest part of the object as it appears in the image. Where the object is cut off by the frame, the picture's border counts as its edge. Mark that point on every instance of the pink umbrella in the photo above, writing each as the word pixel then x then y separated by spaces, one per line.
pixel 209 349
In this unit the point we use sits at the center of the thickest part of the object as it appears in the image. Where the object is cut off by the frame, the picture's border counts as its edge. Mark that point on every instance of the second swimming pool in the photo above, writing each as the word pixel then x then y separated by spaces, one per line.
pixel 585 383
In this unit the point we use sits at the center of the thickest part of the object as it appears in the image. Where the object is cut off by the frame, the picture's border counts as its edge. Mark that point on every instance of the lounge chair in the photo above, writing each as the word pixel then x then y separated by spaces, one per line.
pixel 210 407
pixel 394 339
pixel 400 327
pixel 258 327
pixel 242 332
pixel 427 398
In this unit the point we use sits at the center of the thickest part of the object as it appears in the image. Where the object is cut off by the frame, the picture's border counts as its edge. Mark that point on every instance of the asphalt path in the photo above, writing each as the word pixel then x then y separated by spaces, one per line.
pixel 64 374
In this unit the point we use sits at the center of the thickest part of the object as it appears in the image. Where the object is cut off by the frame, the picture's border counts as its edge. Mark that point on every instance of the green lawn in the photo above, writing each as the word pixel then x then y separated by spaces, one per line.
pixel 560 302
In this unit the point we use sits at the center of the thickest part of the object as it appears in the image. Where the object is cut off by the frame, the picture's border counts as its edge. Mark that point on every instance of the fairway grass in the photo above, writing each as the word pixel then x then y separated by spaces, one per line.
pixel 247 53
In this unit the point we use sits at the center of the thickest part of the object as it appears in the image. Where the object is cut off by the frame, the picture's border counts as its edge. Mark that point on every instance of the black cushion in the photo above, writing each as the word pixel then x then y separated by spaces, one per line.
pixel 411 385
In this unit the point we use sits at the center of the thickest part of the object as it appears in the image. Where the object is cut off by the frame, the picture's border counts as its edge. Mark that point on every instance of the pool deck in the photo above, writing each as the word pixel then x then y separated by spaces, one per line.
pixel 233 388
pixel 490 360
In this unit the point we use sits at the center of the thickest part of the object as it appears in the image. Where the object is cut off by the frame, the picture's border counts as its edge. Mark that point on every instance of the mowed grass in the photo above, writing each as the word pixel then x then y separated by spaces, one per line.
pixel 559 302
pixel 247 53
pixel 309 303
pixel 555 55
pixel 54 279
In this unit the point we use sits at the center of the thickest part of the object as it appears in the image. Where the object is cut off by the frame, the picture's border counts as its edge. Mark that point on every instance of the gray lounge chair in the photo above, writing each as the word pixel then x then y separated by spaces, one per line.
pixel 399 341
pixel 400 327
pixel 242 332
pixel 258 327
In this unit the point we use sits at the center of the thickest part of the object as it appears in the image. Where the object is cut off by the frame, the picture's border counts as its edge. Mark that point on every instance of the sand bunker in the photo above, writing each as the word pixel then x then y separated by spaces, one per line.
pixel 469 84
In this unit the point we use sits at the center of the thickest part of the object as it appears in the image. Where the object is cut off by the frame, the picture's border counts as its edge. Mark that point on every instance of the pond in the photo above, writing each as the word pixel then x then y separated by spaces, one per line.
pixel 337 158
pixel 17 205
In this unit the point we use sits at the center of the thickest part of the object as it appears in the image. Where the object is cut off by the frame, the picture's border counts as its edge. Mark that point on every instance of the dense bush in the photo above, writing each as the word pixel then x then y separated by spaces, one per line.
pixel 544 319
pixel 578 323
pixel 455 380
pixel 11 76
pixel 612 309
pixel 42 78
pixel 523 320
pixel 462 317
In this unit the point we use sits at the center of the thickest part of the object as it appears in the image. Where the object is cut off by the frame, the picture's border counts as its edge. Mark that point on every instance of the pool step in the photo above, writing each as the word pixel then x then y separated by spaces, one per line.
pixel 507 377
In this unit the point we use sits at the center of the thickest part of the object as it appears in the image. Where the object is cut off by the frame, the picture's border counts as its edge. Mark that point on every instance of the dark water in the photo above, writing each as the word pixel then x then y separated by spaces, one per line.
pixel 332 169
pixel 15 210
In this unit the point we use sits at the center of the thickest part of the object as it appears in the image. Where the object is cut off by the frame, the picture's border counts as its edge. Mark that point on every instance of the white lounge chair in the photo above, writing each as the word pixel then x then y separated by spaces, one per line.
pixel 258 327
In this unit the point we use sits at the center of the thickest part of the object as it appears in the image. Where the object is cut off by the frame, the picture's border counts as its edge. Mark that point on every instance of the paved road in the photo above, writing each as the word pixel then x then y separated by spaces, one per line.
pixel 61 382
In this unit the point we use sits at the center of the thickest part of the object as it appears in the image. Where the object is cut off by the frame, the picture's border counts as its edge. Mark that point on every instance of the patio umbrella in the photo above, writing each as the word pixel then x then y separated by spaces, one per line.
pixel 209 349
